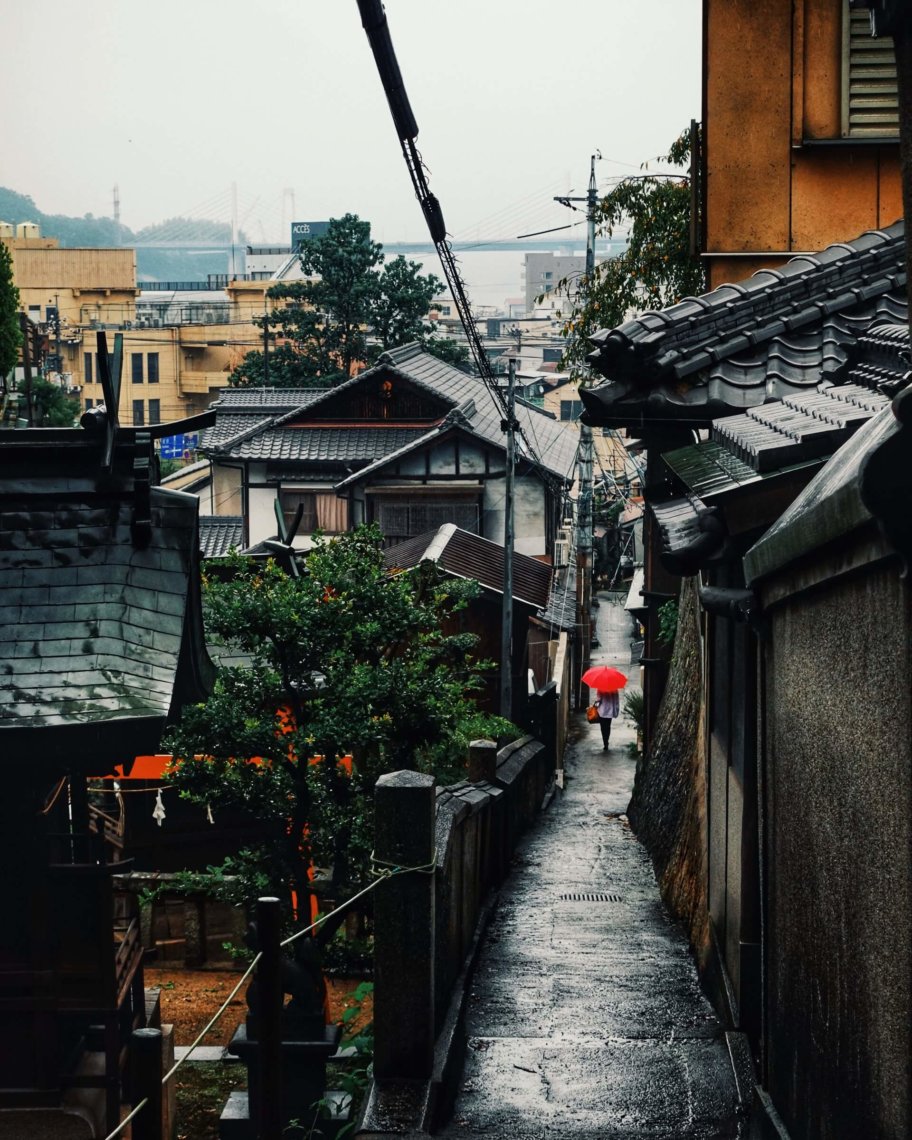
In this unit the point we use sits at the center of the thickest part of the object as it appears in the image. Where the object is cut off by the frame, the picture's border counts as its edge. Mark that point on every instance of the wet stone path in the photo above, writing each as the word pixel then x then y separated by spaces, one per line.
pixel 586 1017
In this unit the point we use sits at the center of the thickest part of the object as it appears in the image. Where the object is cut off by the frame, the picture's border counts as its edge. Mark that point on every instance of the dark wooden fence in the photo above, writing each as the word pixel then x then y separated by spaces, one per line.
pixel 427 924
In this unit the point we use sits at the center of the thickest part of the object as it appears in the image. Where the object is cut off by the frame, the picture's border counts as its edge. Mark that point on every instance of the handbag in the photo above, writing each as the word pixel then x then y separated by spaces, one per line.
pixel 592 714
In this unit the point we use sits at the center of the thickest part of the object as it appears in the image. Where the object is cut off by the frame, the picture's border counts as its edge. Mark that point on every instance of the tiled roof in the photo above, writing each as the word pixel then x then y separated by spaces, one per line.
pixel 229 427
pixel 792 437
pixel 868 477
pixel 312 442
pixel 219 534
pixel 551 442
pixel 239 411
pixel 100 630
pixel 272 400
pixel 466 555
pixel 745 344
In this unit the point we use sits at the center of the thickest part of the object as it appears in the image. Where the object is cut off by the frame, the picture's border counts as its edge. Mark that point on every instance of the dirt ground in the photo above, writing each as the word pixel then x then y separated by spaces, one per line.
pixel 189 999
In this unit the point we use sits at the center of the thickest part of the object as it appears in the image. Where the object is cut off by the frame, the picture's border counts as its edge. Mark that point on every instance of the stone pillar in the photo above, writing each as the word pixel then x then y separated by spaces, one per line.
pixel 146 1047
pixel 404 928
pixel 482 761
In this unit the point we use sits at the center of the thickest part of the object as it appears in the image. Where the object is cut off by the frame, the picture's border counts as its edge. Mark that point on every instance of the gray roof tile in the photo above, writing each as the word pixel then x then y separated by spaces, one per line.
pixel 737 347
pixel 96 627
pixel 296 435
pixel 219 533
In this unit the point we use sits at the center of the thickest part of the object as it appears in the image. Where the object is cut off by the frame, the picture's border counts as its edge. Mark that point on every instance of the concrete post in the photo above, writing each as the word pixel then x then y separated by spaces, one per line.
pixel 404 928
pixel 482 761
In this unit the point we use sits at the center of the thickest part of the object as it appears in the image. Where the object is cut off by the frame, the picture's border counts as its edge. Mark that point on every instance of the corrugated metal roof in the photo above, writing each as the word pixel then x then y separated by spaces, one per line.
pixel 466 555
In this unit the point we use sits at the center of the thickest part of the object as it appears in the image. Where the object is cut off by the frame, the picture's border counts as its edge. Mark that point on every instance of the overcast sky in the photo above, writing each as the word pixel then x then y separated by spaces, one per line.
pixel 176 100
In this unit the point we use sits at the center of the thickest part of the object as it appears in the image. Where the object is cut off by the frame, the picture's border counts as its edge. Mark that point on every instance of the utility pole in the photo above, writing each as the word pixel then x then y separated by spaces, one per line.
pixel 584 476
pixel 234 227
pixel 509 425
pixel 584 466
pixel 266 346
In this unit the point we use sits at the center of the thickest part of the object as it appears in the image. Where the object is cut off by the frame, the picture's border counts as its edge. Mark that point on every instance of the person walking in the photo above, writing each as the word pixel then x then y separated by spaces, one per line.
pixel 607 705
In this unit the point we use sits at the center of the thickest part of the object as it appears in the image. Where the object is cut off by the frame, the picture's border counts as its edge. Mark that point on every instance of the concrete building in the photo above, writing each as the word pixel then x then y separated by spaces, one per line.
pixel 543 271
pixel 179 347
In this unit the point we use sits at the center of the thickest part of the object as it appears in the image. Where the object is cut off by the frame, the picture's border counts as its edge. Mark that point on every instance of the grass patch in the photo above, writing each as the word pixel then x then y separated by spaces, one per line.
pixel 203 1087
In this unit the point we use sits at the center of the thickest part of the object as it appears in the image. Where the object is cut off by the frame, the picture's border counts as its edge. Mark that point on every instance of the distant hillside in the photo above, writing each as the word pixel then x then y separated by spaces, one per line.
pixel 87 231
pixel 151 265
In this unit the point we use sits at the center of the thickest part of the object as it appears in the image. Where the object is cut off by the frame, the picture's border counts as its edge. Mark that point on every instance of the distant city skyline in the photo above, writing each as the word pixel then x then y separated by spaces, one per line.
pixel 187 108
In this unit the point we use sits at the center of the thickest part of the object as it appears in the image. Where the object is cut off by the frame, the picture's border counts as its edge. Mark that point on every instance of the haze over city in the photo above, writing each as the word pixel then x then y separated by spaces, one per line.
pixel 511 99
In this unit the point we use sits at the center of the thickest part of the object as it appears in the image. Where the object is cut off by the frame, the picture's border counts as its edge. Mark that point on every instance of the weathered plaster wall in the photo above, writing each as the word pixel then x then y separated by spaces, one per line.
pixel 668 808
pixel 839 837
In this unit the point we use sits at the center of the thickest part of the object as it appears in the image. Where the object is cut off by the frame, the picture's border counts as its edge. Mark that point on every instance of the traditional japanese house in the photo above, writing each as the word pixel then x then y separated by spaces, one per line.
pixel 409 444
pixel 460 554
pixel 101 642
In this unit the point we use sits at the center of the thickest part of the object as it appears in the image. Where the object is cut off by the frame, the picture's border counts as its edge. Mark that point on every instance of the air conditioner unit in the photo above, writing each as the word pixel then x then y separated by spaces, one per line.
pixel 565 534
pixel 562 552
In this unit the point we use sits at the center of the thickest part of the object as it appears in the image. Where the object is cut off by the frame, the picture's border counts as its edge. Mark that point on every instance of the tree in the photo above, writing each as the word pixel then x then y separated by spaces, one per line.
pixel 344 660
pixel 10 335
pixel 50 405
pixel 401 304
pixel 321 328
pixel 657 268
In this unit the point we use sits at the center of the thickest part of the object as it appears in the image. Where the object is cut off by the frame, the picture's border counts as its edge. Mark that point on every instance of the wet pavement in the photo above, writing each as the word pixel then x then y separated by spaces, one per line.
pixel 586 1017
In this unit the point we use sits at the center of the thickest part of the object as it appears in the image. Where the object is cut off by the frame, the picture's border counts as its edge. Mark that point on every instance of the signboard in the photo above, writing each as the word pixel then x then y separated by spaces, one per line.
pixel 300 231
pixel 177 446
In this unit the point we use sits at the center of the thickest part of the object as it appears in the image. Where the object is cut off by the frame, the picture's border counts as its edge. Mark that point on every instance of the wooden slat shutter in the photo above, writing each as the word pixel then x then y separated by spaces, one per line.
pixel 869 93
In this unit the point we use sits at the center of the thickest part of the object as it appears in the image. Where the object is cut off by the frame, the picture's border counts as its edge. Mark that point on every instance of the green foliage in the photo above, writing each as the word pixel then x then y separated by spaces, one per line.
pixel 321 329
pixel 359 660
pixel 401 303
pixel 635 708
pixel 51 406
pixel 445 348
pixel 668 622
pixel 657 268
pixel 10 335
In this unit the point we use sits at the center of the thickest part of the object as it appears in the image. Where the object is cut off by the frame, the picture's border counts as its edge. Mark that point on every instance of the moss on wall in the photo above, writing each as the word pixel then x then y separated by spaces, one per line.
pixel 668 807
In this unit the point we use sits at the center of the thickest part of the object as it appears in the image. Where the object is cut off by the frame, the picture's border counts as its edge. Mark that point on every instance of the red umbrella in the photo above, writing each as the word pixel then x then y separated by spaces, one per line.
pixel 604 678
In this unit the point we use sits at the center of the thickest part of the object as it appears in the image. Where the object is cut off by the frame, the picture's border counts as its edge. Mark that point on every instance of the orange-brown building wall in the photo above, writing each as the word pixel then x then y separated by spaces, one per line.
pixel 772 83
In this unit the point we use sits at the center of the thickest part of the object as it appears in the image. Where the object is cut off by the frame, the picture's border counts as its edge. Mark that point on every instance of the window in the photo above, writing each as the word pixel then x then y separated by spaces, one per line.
pixel 87 368
pixel 139 417
pixel 404 518
pixel 152 362
pixel 870 103
pixel 571 409
pixel 136 362
pixel 323 510
pixel 155 411
pixel 89 405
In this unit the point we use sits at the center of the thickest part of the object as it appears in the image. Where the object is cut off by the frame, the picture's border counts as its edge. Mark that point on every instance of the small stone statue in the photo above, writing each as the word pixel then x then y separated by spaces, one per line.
pixel 304 1016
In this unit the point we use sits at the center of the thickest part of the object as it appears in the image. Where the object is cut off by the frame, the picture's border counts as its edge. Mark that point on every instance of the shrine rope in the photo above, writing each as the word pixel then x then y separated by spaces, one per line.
pixel 385 871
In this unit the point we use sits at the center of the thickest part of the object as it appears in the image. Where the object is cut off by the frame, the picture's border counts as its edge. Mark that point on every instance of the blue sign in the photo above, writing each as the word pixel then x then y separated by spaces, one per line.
pixel 301 231
pixel 177 446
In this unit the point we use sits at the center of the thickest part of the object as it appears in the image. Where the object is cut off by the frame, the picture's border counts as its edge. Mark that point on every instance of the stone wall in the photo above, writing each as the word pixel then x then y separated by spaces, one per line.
pixel 668 807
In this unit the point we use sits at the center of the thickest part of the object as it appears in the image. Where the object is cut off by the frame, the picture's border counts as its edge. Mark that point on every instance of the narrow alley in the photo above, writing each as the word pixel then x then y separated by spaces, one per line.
pixel 586 1017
